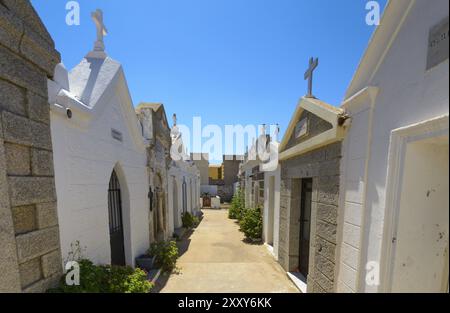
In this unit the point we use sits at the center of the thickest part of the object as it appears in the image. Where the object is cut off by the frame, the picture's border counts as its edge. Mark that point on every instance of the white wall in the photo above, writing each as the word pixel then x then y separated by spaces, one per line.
pixel 407 94
pixel 84 156
pixel 275 177
pixel 179 171
pixel 420 261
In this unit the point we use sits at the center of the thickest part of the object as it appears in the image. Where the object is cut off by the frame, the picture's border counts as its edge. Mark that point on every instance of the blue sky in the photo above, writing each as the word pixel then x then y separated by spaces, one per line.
pixel 228 61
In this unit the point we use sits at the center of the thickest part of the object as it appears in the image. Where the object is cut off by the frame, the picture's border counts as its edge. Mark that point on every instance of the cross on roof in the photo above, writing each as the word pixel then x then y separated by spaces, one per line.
pixel 313 63
pixel 174 118
pixel 97 17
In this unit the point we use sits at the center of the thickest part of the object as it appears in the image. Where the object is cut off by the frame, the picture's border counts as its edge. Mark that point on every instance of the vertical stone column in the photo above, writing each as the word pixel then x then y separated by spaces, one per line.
pixel 30 258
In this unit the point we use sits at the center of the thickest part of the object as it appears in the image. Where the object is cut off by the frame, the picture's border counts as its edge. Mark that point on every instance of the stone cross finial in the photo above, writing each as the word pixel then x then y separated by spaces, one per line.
pixel 97 16
pixel 262 129
pixel 313 63
pixel 99 46
pixel 174 117
pixel 277 132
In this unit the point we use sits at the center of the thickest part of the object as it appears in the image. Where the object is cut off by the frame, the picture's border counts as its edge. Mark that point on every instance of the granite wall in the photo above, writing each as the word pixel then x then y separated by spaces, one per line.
pixel 323 166
pixel 30 258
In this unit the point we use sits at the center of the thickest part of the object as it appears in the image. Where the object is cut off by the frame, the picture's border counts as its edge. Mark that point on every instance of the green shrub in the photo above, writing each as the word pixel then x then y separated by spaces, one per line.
pixel 124 279
pixel 252 223
pixel 237 206
pixel 166 254
pixel 106 279
pixel 189 220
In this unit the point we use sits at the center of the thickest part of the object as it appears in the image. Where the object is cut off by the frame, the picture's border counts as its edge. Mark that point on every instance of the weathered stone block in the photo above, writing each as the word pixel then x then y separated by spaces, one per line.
pixel 16 129
pixel 330 168
pixel 324 283
pixel 43 284
pixel 325 248
pixel 9 269
pixel 17 159
pixel 41 136
pixel 327 213
pixel 316 288
pixel 326 231
pixel 22 73
pixel 328 194
pixel 38 50
pixel 11 29
pixel 24 218
pixel 25 11
pixel 46 214
pixel 12 98
pixel 325 266
pixel 37 243
pixel 51 263
pixel 42 162
pixel 38 108
pixel 30 190
pixel 333 151
pixel 30 272
pixel 326 181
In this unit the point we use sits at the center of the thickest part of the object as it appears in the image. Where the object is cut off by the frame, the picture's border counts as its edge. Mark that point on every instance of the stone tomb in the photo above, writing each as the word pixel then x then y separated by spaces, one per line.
pixel 30 257
pixel 310 154
pixel 100 161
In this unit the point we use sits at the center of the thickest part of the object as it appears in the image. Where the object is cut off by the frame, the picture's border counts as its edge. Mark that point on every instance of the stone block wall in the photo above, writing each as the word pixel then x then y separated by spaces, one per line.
pixel 323 166
pixel 30 258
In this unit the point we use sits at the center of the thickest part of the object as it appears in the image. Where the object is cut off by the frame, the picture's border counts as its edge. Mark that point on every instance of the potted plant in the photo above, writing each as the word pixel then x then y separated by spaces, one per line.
pixel 146 262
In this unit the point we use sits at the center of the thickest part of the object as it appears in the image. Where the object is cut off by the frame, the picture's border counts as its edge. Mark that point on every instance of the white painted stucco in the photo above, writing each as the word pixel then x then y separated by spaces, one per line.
pixel 182 170
pixel 272 182
pixel 85 154
pixel 390 90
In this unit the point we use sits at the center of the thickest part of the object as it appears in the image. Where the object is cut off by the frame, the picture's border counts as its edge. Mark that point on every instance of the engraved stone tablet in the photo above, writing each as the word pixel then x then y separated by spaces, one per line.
pixel 117 135
pixel 302 128
pixel 438 44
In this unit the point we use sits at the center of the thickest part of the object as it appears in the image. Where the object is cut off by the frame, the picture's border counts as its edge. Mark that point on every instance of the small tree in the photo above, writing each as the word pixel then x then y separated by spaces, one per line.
pixel 252 223
pixel 237 206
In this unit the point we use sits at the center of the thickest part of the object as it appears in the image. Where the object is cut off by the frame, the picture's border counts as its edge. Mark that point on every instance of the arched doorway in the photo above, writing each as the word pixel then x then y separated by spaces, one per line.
pixel 115 221
pixel 184 189
pixel 176 213
pixel 160 212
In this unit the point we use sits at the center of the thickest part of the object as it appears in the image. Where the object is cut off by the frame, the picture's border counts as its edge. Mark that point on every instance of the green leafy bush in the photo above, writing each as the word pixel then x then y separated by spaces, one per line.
pixel 166 254
pixel 106 279
pixel 252 223
pixel 189 220
pixel 237 206
pixel 124 279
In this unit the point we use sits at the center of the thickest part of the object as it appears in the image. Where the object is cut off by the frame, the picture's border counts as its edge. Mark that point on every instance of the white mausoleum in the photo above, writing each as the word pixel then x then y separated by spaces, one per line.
pixel 183 181
pixel 100 160
pixel 394 211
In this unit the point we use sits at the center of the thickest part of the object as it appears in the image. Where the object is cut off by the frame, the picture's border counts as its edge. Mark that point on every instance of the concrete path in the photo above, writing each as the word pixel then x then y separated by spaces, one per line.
pixel 214 258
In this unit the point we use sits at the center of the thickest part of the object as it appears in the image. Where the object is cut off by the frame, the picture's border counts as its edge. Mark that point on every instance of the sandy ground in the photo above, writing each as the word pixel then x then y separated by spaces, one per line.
pixel 214 258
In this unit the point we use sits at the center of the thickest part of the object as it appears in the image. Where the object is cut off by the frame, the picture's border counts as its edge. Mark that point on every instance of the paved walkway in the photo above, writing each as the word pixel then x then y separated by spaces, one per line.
pixel 215 259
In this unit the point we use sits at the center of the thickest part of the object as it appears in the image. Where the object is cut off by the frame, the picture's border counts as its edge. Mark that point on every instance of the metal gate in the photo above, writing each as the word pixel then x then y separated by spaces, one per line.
pixel 305 225
pixel 115 221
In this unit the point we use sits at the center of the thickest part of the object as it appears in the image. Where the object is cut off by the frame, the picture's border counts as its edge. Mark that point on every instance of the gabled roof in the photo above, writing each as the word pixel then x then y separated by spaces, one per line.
pixel 156 107
pixel 87 91
pixel 381 41
pixel 89 80
pixel 324 111
pixel 151 105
